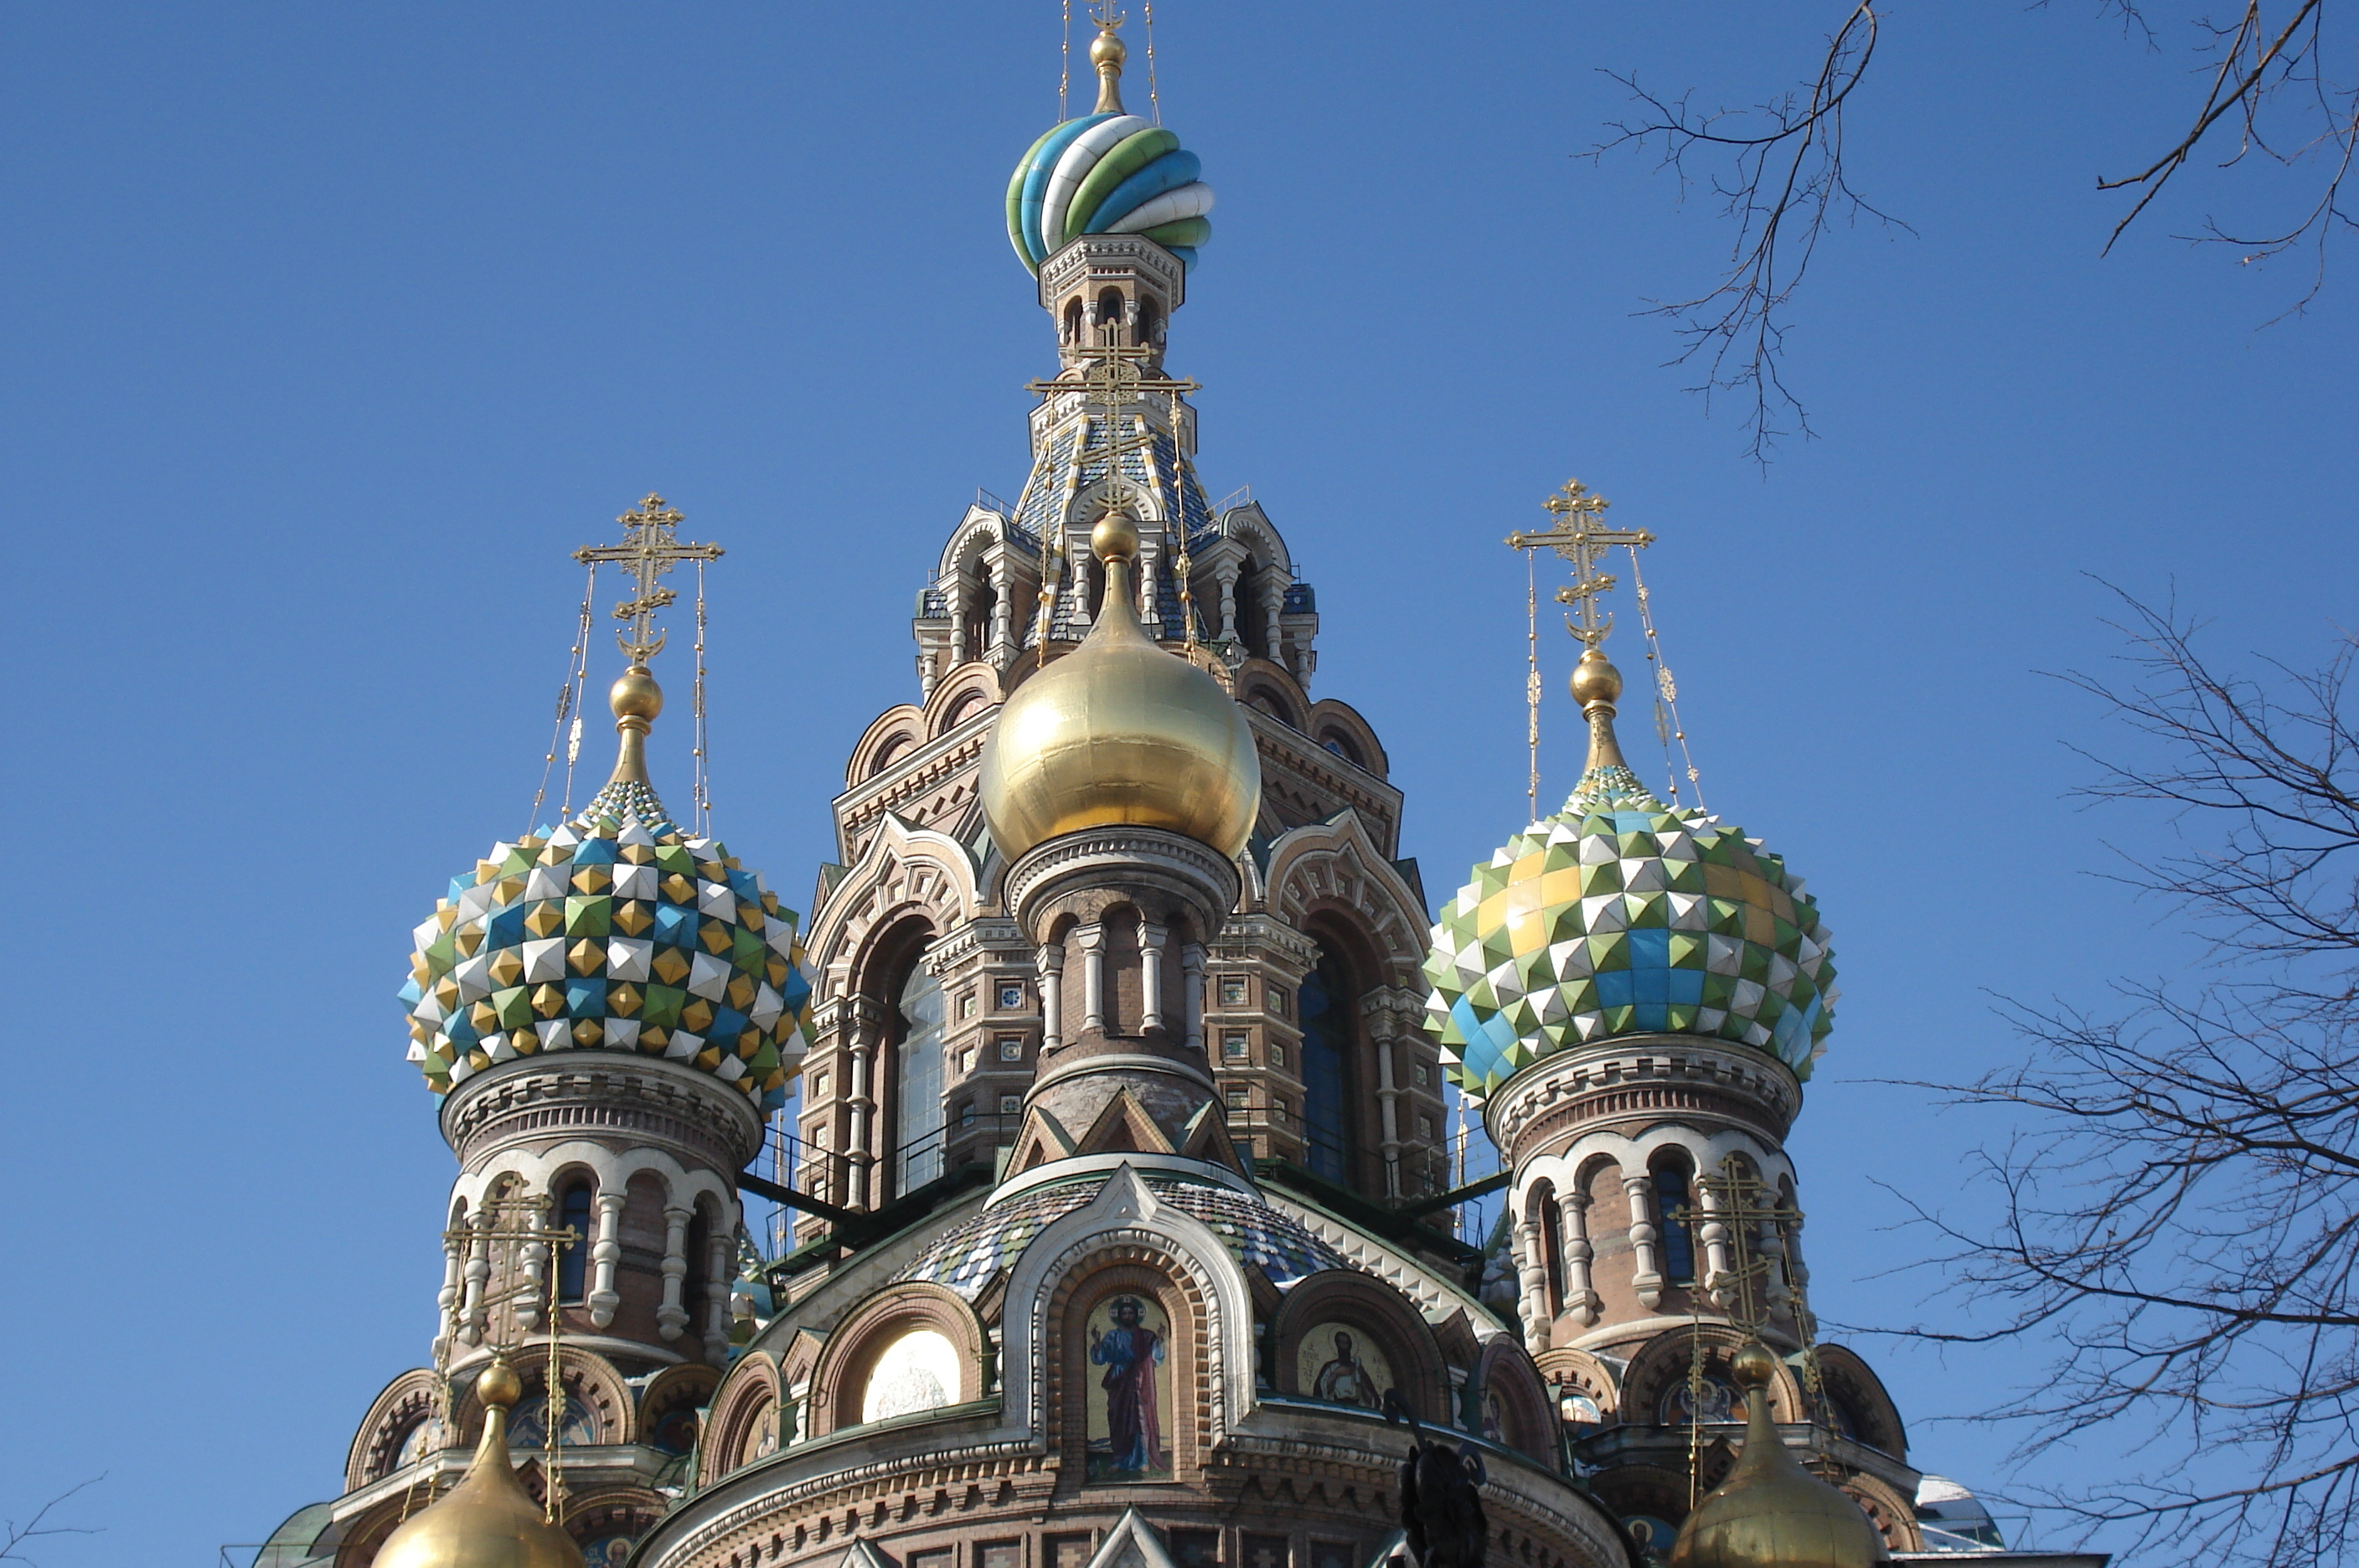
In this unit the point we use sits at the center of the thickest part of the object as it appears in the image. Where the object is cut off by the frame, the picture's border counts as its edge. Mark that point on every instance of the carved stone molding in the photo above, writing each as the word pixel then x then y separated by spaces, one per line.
pixel 1122 854
pixel 638 1100
pixel 1643 1077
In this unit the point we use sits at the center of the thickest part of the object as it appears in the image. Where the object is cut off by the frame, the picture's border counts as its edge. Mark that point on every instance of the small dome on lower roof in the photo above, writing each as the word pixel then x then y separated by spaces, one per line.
pixel 968 1256
pixel 1620 915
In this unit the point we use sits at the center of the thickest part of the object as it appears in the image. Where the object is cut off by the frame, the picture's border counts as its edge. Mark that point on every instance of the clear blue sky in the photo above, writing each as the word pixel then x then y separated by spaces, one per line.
pixel 330 331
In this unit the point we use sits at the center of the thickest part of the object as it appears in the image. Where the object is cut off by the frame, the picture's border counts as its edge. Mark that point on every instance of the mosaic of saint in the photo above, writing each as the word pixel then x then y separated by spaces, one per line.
pixel 1341 1366
pixel 1129 1390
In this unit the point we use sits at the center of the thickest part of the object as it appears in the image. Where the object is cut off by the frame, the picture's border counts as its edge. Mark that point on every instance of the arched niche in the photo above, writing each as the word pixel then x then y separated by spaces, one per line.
pixel 1102 1416
pixel 1573 1375
pixel 743 1426
pixel 668 1418
pixel 1379 1319
pixel 895 728
pixel 880 1338
pixel 1860 1407
pixel 1654 1385
pixel 1338 727
pixel 394 1433
pixel 1512 1406
pixel 959 695
pixel 598 1411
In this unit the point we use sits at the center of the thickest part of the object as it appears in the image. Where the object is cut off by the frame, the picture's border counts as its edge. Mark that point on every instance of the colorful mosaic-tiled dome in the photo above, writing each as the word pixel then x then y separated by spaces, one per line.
pixel 616 932
pixel 1618 916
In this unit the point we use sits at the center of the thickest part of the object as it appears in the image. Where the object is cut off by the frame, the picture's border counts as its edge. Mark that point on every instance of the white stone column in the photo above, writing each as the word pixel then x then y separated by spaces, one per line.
pixel 1380 1028
pixel 447 1299
pixel 1192 993
pixel 1798 1273
pixel 535 1300
pixel 1150 975
pixel 1225 574
pixel 860 1102
pixel 1771 1243
pixel 1273 610
pixel 605 1253
pixel 1092 977
pixel 477 1316
pixel 1051 960
pixel 1531 1276
pixel 1719 1283
pixel 1572 1228
pixel 672 1317
pixel 717 1273
pixel 1003 589
pixel 1645 1239
pixel 956 598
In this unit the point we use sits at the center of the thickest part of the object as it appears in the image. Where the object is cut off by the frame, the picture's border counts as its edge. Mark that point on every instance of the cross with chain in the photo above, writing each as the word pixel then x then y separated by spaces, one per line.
pixel 1113 378
pixel 648 552
pixel 1580 536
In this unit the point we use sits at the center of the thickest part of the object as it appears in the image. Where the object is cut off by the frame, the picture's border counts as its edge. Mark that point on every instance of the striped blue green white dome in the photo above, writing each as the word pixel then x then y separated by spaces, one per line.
pixel 1107 173
pixel 1620 916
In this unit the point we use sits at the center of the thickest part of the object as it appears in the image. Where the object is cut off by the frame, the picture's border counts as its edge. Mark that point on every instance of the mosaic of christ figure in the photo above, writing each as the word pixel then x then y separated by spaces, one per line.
pixel 1125 1403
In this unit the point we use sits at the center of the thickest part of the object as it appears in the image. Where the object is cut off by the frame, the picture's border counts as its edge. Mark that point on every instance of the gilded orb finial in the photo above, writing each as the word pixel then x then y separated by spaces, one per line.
pixel 1107 53
pixel 499 1385
pixel 1116 538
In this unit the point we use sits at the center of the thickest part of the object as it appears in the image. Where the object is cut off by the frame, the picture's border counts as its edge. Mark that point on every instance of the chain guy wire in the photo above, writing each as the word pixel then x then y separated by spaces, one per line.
pixel 1532 685
pixel 569 707
pixel 703 784
pixel 1667 725
pixel 1154 100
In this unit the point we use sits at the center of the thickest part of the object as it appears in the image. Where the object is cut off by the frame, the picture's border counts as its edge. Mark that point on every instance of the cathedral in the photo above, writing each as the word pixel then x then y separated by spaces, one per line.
pixel 1099 1114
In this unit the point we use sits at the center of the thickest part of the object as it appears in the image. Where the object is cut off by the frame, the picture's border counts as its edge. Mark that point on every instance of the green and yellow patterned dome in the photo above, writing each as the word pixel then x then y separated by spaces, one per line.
pixel 1619 916
pixel 618 930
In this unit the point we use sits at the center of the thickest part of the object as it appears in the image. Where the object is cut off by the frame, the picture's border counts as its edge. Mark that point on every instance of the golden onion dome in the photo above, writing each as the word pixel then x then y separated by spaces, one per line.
pixel 488 1519
pixel 1120 731
pixel 1770 1512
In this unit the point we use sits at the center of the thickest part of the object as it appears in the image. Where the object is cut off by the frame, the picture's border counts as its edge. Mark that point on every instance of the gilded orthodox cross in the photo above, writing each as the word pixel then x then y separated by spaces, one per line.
pixel 1115 378
pixel 649 550
pixel 1580 536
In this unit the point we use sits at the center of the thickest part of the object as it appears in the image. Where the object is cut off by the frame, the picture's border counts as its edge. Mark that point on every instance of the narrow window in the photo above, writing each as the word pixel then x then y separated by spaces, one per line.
pixel 574 1261
pixel 1679 1240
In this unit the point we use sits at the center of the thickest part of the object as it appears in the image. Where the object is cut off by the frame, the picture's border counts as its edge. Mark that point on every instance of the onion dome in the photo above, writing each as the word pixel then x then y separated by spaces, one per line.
pixel 1620 915
pixel 619 930
pixel 1120 731
pixel 1107 172
pixel 1770 1512
pixel 488 1519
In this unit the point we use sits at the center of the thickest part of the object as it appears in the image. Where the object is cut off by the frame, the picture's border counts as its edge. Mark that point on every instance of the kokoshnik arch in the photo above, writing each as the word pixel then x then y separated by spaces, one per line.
pixel 1118 1038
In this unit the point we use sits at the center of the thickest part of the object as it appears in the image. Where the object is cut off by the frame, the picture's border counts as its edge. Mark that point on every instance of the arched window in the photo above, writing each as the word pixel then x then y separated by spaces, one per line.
pixel 1074 321
pixel 574 1261
pixel 1330 1029
pixel 1678 1238
pixel 1110 314
pixel 918 1020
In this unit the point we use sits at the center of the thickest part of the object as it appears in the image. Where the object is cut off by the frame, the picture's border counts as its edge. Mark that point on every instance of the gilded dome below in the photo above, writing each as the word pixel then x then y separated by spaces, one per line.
pixel 1770 1512
pixel 1120 732
pixel 488 1519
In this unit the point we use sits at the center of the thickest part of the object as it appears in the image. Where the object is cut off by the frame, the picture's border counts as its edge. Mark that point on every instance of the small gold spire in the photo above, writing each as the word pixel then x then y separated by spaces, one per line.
pixel 1597 686
pixel 636 700
pixel 1107 54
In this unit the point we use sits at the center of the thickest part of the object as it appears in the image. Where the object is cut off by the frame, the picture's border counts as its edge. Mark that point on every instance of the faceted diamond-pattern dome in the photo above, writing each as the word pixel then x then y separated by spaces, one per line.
pixel 617 931
pixel 1620 915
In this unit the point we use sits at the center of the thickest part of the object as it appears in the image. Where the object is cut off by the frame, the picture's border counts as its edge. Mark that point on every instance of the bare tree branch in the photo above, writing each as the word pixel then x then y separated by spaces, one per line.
pixel 12 1536
pixel 2177 1212
pixel 1778 171
pixel 1780 174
